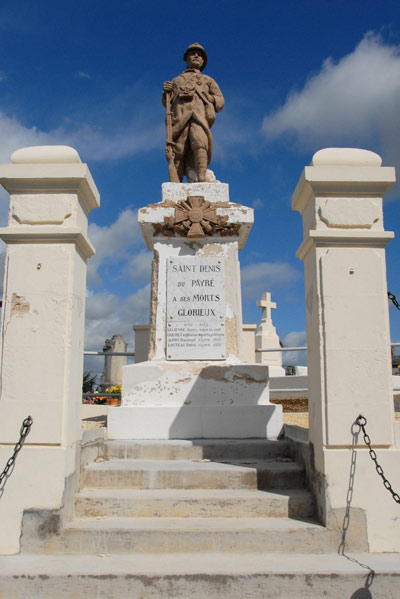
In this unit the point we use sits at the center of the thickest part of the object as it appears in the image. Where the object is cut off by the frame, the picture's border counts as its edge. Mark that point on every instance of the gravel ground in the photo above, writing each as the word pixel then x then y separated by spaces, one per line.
pixel 296 418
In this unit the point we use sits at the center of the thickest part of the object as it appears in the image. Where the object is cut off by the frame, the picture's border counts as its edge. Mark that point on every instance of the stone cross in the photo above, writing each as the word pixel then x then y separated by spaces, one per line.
pixel 267 306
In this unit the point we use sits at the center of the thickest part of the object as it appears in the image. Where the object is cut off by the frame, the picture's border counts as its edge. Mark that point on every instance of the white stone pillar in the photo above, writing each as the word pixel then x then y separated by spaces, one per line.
pixel 51 195
pixel 349 360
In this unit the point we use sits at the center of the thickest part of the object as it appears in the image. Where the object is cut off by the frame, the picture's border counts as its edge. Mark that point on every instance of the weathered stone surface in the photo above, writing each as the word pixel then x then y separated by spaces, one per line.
pixel 267 338
pixel 348 336
pixel 51 194
pixel 45 154
pixel 345 157
pixel 112 371
pixel 256 575
pixel 191 100
pixel 196 309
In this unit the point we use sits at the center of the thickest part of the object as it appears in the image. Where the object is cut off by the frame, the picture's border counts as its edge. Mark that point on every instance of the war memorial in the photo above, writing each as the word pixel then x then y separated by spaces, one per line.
pixel 196 488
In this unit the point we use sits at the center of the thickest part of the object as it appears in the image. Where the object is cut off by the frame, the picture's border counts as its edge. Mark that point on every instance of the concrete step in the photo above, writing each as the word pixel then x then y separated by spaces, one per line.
pixel 179 535
pixel 255 576
pixel 199 503
pixel 213 575
pixel 213 449
pixel 185 474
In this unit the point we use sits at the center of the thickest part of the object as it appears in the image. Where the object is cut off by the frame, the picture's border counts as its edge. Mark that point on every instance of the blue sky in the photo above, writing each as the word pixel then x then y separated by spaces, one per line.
pixel 296 76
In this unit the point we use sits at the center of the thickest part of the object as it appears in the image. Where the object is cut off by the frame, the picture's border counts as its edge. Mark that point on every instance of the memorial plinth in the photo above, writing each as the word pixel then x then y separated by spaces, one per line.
pixel 194 384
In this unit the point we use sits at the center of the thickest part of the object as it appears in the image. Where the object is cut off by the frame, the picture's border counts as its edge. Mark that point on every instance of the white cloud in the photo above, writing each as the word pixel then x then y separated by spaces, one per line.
pixel 14 135
pixel 138 267
pixel 233 133
pixel 82 75
pixel 261 276
pixel 107 316
pixel 100 305
pixel 257 203
pixel 135 308
pixel 91 142
pixel 113 242
pixel 95 144
pixel 295 339
pixel 355 100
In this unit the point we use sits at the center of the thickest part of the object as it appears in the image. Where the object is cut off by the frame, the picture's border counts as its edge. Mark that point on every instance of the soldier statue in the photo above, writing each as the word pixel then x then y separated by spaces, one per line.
pixel 191 100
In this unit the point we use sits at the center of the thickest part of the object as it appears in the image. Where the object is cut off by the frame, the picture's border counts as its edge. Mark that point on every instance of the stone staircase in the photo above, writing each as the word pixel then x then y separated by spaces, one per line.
pixel 184 496
pixel 186 519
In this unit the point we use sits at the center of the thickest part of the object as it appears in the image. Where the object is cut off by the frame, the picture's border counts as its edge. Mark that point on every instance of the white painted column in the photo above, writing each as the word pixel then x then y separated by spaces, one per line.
pixel 51 195
pixel 348 338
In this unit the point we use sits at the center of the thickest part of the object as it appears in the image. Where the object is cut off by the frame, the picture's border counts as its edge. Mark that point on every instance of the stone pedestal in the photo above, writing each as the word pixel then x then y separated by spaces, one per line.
pixel 349 359
pixel 51 195
pixel 193 384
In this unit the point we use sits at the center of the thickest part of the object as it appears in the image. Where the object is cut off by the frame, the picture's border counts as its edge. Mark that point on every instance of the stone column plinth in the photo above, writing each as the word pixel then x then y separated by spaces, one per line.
pixel 51 195
pixel 349 359
pixel 194 384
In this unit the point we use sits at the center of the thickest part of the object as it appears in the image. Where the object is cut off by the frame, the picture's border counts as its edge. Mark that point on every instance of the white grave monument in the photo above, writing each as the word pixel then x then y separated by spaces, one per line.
pixel 194 385
pixel 267 338
pixel 112 371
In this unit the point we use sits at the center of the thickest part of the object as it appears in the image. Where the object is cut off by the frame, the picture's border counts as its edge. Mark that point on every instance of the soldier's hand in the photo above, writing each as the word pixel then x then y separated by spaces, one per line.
pixel 169 152
pixel 168 86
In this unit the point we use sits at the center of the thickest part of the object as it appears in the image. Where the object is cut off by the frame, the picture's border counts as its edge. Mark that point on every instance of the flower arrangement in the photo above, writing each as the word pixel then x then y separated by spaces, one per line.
pixel 114 401
pixel 104 399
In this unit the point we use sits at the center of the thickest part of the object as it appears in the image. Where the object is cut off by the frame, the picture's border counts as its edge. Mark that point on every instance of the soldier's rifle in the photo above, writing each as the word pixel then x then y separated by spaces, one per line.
pixel 170 145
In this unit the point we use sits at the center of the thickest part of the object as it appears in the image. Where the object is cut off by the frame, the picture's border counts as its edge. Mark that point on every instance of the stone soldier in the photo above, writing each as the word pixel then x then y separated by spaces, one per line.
pixel 191 99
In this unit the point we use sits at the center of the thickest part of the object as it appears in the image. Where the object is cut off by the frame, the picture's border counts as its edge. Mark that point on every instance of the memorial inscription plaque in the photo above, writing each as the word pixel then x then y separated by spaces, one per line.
pixel 195 309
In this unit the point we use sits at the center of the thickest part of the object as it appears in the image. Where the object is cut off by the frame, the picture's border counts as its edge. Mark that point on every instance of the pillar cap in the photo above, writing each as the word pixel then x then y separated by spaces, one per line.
pixel 345 157
pixel 45 154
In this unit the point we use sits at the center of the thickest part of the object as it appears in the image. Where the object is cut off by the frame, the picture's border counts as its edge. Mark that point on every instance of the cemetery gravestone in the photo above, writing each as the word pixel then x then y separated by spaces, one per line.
pixel 112 371
pixel 267 338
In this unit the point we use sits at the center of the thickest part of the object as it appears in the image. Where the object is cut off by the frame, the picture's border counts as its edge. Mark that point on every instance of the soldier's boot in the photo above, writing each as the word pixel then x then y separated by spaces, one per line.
pixel 200 163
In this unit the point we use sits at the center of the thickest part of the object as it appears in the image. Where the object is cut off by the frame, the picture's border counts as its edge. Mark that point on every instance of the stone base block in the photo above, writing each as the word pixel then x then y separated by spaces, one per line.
pixel 194 422
pixel 295 382
pixel 163 383
pixel 211 192
pixel 189 400
pixel 275 371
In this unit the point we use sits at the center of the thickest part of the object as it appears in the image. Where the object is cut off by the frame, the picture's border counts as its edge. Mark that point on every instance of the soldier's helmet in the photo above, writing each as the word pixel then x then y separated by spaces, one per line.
pixel 200 49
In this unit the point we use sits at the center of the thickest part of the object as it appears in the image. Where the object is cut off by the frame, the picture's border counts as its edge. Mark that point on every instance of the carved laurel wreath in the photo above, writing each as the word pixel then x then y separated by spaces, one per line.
pixel 195 218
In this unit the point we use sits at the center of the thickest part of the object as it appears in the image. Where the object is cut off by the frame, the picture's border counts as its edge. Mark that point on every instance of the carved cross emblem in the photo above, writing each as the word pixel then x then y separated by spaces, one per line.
pixel 196 216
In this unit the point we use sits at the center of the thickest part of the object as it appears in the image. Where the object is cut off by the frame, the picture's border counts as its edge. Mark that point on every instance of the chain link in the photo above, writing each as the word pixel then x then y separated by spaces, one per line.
pixel 362 421
pixel 394 300
pixel 24 432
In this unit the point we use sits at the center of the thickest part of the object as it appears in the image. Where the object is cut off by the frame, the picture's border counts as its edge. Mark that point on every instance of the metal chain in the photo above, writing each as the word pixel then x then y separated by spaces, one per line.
pixel 393 299
pixel 24 432
pixel 362 421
